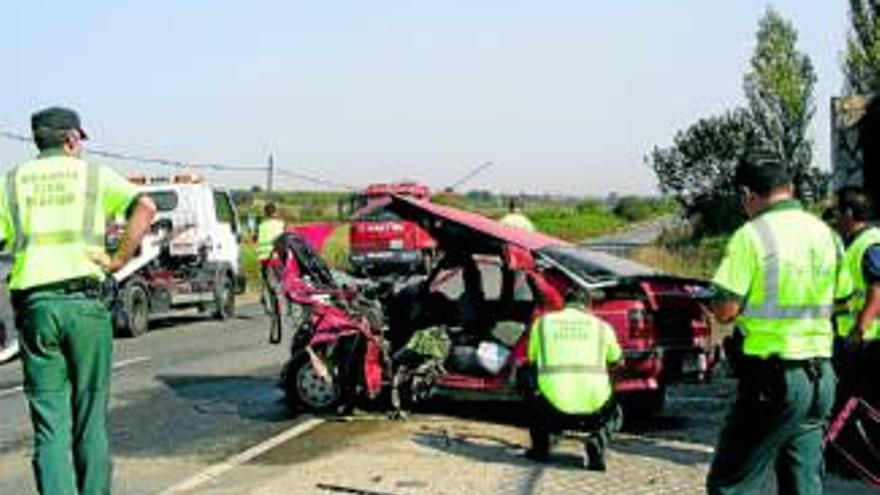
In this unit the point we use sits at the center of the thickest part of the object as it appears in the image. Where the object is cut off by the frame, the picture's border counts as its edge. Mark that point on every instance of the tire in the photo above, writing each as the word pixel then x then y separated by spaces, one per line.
pixel 224 298
pixel 136 303
pixel 305 390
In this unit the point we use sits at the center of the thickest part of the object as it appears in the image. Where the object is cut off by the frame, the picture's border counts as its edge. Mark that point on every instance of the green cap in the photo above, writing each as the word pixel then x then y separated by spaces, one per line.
pixel 56 119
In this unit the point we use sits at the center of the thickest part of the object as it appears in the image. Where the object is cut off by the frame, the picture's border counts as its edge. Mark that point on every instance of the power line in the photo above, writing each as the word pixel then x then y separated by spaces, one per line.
pixel 470 175
pixel 189 165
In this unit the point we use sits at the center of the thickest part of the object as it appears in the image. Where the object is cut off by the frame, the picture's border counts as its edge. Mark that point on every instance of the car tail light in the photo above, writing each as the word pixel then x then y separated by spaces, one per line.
pixel 640 323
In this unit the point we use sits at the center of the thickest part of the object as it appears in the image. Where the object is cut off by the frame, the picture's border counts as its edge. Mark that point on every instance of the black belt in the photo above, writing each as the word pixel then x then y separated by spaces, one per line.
pixel 89 285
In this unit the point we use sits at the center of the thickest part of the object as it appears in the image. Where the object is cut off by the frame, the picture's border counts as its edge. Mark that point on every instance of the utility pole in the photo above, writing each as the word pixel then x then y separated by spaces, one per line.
pixel 271 173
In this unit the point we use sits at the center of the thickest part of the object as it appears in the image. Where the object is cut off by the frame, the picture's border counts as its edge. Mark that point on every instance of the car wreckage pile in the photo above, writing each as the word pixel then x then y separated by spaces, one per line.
pixel 464 326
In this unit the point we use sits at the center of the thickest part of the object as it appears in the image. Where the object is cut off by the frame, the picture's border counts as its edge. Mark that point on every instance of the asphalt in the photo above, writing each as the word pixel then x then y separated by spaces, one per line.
pixel 186 395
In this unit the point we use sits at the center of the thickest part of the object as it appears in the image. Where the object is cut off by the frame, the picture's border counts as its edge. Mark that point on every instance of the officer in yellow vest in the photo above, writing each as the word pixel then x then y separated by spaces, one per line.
pixel 858 329
pixel 571 351
pixel 862 259
pixel 52 215
pixel 516 218
pixel 779 280
pixel 270 228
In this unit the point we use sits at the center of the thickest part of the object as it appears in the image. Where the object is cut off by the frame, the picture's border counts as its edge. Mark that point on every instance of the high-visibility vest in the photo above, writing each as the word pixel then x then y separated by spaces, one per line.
pixel 571 350
pixel 268 231
pixel 518 220
pixel 797 265
pixel 54 208
pixel 853 259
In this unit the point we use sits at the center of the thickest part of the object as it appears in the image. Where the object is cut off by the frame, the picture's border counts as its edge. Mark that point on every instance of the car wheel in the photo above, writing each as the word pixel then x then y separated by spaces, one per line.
pixel 136 303
pixel 306 390
pixel 224 299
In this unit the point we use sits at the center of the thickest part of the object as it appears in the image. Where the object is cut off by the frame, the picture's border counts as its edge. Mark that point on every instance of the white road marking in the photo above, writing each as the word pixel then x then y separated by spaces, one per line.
pixel 117 366
pixel 11 391
pixel 243 457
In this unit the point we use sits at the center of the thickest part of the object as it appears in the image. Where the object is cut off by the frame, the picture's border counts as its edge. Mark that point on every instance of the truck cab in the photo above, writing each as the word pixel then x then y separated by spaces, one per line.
pixel 380 241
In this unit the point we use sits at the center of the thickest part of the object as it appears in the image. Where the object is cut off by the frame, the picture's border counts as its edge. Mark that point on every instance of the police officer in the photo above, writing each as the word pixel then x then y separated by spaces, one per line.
pixel 516 218
pixel 52 216
pixel 572 350
pixel 270 228
pixel 778 281
pixel 858 328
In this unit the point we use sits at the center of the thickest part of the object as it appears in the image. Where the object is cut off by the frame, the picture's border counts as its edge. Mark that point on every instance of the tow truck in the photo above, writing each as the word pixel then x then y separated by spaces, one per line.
pixel 189 259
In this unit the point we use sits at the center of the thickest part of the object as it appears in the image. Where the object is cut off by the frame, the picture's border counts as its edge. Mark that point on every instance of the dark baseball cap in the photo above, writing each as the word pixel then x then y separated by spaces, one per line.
pixel 56 119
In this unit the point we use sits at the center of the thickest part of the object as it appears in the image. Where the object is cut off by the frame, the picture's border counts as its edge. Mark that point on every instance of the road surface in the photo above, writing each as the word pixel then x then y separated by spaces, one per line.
pixel 195 409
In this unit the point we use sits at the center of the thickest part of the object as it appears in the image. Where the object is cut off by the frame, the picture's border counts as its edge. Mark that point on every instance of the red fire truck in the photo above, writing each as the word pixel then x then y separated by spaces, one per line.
pixel 380 241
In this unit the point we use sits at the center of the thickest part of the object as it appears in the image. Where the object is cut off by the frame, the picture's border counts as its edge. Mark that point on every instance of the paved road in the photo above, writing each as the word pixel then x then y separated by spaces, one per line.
pixel 189 394
pixel 639 235
pixel 194 404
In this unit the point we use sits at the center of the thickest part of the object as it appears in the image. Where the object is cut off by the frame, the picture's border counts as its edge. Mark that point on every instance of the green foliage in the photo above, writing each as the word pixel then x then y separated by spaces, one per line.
pixel 336 249
pixel 636 208
pixel 250 266
pixel 574 224
pixel 681 253
pixel 862 56
pixel 697 170
pixel 779 89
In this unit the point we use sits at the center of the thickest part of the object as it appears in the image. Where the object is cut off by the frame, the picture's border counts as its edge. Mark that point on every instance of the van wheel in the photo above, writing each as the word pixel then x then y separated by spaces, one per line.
pixel 136 304
pixel 224 298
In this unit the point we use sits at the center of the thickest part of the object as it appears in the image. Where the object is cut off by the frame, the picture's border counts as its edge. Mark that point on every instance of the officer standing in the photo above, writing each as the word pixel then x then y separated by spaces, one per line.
pixel 779 279
pixel 572 351
pixel 270 228
pixel 858 328
pixel 52 215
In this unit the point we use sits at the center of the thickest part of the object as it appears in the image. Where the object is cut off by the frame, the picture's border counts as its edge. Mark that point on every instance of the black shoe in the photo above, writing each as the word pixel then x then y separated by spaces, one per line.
pixel 594 458
pixel 537 455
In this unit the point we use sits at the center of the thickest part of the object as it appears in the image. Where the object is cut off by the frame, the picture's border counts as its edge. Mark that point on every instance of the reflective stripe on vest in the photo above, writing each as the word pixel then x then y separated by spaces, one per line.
pixel 86 233
pixel 545 369
pixel 771 308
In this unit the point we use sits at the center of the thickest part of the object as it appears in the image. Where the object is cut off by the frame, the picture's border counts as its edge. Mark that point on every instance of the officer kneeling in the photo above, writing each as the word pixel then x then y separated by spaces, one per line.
pixel 569 387
pixel 778 280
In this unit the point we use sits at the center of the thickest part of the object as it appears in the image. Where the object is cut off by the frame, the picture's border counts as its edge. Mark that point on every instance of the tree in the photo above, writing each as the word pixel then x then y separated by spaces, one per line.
pixel 862 57
pixel 779 89
pixel 697 170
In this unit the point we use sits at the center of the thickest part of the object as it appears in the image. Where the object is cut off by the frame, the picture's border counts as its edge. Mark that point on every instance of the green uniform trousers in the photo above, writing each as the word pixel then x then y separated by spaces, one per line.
pixel 778 420
pixel 66 343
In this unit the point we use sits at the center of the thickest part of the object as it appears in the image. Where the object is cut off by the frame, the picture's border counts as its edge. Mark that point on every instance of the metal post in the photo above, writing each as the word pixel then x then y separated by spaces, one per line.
pixel 271 172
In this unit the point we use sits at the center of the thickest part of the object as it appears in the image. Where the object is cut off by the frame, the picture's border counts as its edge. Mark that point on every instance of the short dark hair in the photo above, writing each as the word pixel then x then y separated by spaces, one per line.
pixel 578 295
pixel 761 172
pixel 270 209
pixel 47 139
pixel 854 203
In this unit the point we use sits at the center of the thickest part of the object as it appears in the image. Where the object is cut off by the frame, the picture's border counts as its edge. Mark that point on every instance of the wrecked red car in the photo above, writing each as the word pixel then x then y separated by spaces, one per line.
pixel 464 327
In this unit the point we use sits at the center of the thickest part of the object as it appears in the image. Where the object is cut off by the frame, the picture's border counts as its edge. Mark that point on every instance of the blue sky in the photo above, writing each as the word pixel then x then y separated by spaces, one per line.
pixel 564 96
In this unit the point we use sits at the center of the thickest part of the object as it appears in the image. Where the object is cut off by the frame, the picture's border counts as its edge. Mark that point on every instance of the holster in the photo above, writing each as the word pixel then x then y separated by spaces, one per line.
pixel 111 296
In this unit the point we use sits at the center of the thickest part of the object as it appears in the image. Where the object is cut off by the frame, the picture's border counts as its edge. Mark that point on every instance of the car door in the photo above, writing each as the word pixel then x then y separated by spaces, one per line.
pixel 226 232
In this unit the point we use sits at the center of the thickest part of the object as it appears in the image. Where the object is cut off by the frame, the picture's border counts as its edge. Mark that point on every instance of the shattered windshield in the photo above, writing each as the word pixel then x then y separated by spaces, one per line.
pixel 595 266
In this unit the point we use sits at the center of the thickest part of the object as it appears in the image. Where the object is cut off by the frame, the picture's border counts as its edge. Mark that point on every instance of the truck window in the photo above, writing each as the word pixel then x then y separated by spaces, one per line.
pixel 165 200
pixel 223 210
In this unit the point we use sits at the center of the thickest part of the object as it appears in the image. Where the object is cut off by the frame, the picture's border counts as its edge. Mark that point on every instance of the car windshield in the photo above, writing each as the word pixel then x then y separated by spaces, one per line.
pixel 595 266
pixel 164 200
